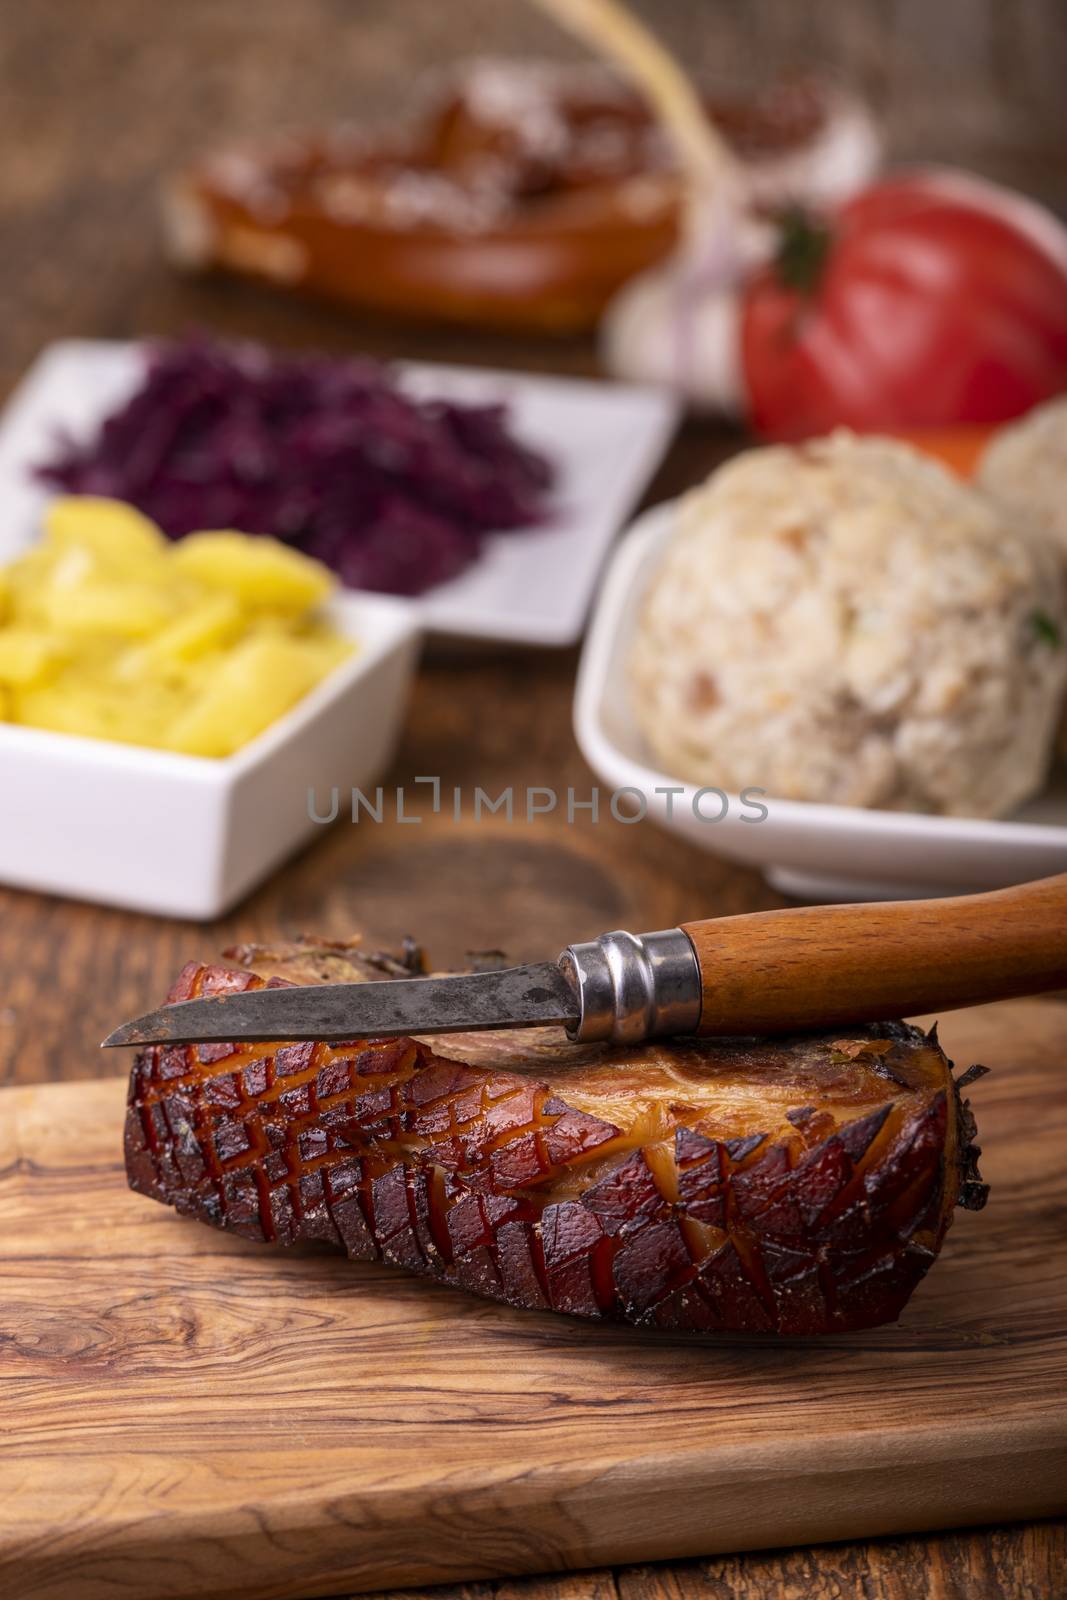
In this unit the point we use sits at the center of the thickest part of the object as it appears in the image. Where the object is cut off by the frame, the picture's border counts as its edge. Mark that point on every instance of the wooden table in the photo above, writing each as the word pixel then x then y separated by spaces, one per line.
pixel 89 117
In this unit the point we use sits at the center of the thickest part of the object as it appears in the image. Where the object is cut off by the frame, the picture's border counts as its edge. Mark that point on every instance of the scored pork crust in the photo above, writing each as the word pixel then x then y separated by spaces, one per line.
pixel 794 1186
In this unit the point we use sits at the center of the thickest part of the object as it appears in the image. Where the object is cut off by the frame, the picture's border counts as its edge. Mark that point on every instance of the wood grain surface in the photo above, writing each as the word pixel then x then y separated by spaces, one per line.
pixel 187 1414
pixel 93 111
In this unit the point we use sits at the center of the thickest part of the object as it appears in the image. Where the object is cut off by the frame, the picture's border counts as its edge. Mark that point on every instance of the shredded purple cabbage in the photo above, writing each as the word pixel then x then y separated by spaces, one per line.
pixel 395 494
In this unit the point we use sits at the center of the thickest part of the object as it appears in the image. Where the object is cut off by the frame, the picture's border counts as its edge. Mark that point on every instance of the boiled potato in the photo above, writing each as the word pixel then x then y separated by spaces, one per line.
pixel 213 621
pixel 331 648
pixel 263 573
pixel 28 584
pixel 110 631
pixel 259 681
pixel 110 530
pixel 28 655
pixel 116 610
pixel 98 710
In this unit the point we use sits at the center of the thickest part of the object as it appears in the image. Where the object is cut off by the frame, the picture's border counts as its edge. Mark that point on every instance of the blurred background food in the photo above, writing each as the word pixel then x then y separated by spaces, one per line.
pixel 736 249
pixel 95 121
pixel 514 194
pixel 1024 468
pixel 393 491
pixel 852 622
pixel 934 310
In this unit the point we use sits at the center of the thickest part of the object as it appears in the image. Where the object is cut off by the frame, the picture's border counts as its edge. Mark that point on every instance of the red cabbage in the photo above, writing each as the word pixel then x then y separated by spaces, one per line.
pixel 394 493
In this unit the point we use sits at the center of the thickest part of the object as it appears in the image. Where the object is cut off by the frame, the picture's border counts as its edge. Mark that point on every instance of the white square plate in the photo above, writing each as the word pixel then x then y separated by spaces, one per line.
pixel 816 852
pixel 529 586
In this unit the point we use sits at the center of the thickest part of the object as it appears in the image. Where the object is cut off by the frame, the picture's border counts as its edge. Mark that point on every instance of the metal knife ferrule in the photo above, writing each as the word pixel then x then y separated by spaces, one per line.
pixel 634 986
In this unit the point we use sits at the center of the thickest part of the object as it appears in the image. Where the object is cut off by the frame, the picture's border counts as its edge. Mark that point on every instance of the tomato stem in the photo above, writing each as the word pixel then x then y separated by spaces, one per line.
pixel 803 247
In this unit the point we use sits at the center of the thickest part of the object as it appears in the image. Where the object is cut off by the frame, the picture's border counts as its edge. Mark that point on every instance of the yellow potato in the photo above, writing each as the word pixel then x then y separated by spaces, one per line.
pixel 28 656
pixel 322 640
pixel 330 649
pixel 109 530
pixel 211 622
pixel 110 632
pixel 96 711
pixel 120 610
pixel 262 573
pixel 257 683
pixel 28 582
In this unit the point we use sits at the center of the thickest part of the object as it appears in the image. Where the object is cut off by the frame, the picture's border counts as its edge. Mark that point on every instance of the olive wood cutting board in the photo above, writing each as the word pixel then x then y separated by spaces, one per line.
pixel 187 1414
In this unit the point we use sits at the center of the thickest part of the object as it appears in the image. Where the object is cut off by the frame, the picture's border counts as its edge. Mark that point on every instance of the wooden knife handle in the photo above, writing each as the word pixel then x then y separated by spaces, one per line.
pixel 818 966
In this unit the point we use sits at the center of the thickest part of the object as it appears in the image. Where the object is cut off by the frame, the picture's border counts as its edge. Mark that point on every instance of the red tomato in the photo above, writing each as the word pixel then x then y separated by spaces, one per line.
pixel 928 300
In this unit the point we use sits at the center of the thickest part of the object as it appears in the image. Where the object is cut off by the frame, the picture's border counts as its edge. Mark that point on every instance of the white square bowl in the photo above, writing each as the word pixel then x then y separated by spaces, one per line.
pixel 816 852
pixel 188 836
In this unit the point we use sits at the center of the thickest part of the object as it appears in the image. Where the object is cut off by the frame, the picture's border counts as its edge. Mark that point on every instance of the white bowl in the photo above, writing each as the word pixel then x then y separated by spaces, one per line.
pixel 188 836
pixel 811 851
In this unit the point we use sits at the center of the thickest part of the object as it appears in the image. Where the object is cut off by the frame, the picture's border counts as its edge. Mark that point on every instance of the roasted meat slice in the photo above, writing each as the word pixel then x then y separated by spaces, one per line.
pixel 792 1186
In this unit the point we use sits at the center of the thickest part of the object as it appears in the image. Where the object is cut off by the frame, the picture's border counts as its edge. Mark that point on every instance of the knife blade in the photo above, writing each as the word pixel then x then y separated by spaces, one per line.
pixel 513 997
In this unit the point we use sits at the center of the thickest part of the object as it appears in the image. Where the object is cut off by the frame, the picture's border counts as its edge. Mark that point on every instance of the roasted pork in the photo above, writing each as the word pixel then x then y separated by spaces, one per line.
pixel 791 1186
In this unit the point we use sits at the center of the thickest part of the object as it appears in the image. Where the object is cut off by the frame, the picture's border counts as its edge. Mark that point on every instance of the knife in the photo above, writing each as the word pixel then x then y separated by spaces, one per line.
pixel 762 973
